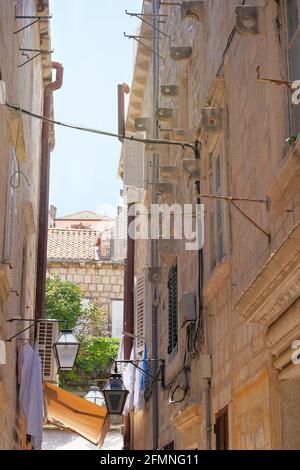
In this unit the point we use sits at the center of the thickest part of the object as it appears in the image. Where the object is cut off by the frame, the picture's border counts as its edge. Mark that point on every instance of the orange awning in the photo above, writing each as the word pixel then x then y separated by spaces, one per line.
pixel 85 418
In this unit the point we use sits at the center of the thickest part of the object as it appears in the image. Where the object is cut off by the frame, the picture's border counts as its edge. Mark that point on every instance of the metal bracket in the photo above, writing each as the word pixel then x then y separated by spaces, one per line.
pixel 138 39
pixel 35 18
pixel 39 52
pixel 140 17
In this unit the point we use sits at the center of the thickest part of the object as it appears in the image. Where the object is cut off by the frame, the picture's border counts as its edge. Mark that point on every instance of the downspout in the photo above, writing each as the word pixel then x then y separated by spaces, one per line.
pixel 154 246
pixel 129 310
pixel 44 194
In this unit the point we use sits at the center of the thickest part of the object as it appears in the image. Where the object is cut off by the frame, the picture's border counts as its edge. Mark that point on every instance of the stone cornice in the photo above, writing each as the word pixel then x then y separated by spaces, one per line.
pixel 219 274
pixel 190 416
pixel 5 280
pixel 277 285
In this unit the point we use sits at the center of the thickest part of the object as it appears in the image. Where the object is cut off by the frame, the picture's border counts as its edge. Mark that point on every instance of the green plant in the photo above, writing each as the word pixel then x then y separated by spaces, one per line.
pixel 63 300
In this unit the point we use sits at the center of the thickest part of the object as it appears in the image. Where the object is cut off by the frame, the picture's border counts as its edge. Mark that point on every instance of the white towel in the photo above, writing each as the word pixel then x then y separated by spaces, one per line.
pixel 129 382
pixel 36 403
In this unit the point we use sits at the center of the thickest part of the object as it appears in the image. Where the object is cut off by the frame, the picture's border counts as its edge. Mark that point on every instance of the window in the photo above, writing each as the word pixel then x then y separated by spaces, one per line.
pixel 173 310
pixel 221 430
pixel 293 56
pixel 217 215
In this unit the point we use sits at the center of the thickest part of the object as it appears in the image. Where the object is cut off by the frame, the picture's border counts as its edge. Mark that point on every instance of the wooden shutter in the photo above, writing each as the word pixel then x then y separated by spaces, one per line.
pixel 139 317
pixel 173 310
pixel 117 318
pixel 47 335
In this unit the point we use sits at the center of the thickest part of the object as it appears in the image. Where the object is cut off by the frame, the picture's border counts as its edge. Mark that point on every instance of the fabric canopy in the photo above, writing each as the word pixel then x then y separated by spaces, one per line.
pixel 85 418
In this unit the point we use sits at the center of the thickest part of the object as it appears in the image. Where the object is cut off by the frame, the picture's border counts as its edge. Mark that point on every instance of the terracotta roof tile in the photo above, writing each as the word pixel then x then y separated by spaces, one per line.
pixel 89 215
pixel 72 244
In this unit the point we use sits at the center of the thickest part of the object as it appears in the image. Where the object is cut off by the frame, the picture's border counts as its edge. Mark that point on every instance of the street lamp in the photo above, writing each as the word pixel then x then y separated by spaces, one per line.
pixel 115 394
pixel 66 349
pixel 95 395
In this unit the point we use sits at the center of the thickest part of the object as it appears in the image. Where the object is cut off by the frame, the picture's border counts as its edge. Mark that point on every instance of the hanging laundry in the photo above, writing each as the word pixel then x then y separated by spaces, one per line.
pixel 129 382
pixel 140 381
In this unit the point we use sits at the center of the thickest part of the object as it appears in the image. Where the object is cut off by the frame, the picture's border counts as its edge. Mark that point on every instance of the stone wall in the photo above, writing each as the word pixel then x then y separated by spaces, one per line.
pixel 256 163
pixel 22 135
pixel 102 281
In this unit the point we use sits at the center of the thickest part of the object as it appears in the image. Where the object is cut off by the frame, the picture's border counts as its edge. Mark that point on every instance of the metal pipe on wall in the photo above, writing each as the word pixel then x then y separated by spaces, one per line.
pixel 154 247
pixel 44 193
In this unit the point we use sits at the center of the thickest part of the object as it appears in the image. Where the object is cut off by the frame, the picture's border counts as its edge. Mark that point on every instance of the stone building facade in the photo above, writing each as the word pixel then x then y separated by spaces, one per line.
pixel 73 256
pixel 20 154
pixel 230 380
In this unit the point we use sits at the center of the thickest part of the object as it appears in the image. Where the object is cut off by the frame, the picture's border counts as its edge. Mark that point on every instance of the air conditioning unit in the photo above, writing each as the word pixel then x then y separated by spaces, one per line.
pixel 249 19
pixel 192 167
pixel 155 275
pixel 171 172
pixel 141 124
pixel 164 114
pixel 204 368
pixel 2 92
pixel 47 334
pixel 212 120
pixel 192 9
pixel 169 90
pixel 187 308
pixel 170 247
pixel 181 53
pixel 184 135
pixel 164 188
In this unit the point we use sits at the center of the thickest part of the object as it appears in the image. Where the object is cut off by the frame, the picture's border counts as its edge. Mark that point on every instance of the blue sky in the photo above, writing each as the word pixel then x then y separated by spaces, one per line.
pixel 87 37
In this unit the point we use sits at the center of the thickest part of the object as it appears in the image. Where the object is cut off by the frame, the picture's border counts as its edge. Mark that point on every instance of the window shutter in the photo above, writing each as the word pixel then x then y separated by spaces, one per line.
pixel 46 337
pixel 139 320
pixel 119 238
pixel 10 210
pixel 173 310
pixel 117 318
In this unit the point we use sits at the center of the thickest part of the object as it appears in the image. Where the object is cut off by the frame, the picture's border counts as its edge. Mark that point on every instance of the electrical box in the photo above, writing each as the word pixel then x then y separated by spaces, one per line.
pixel 164 114
pixel 141 124
pixel 192 167
pixel 169 90
pixel 212 120
pixel 2 92
pixel 249 19
pixel 181 53
pixel 192 9
pixel 155 275
pixel 187 308
pixel 205 368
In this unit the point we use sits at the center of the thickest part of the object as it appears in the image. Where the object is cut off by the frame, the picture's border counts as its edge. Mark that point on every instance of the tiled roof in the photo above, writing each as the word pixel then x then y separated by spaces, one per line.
pixel 89 215
pixel 71 244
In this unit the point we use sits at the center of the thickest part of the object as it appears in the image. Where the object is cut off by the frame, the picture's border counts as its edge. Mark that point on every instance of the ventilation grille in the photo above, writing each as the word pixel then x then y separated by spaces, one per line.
pixel 140 311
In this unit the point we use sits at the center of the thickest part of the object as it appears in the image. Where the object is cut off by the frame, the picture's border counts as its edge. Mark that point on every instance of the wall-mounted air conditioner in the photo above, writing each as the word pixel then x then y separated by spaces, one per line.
pixel 192 167
pixel 169 90
pixel 164 189
pixel 155 275
pixel 170 247
pixel 181 53
pixel 187 308
pixel 141 124
pixel 170 172
pixel 164 114
pixel 192 9
pixel 249 19
pixel 212 120
pixel 205 368
pixel 47 334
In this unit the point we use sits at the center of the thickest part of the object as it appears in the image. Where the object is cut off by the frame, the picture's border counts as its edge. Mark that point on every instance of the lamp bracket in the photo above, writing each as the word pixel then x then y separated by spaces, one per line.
pixel 34 322
pixel 161 373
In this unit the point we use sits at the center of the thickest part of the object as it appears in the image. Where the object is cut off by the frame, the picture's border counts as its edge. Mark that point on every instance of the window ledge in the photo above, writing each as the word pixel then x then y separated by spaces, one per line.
pixel 217 277
pixel 190 416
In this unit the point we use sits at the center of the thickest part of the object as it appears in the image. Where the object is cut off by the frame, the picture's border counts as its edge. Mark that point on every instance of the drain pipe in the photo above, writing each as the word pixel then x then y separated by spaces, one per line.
pixel 44 194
